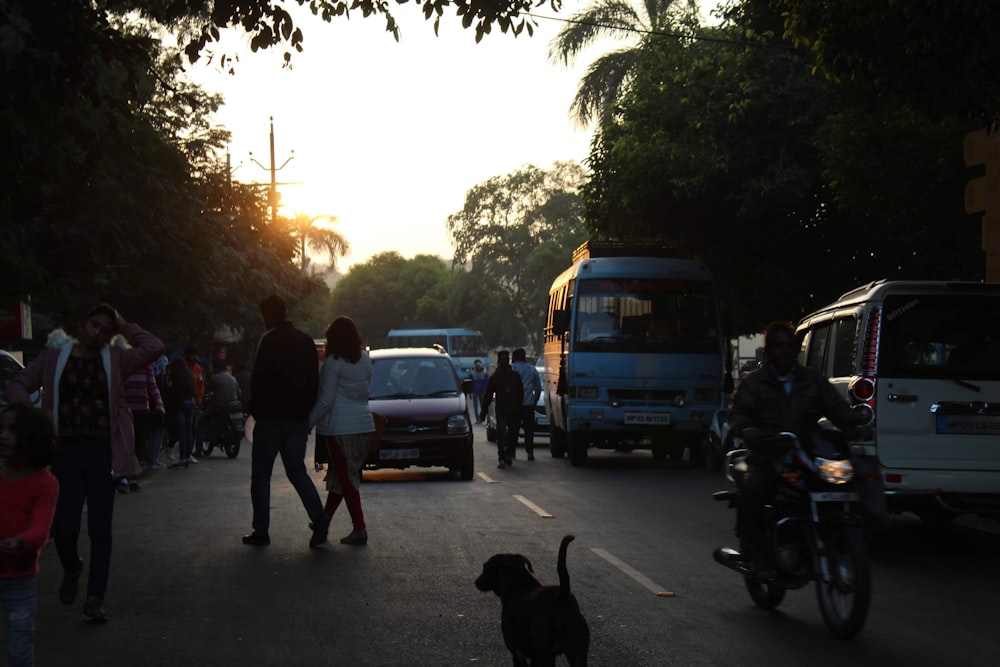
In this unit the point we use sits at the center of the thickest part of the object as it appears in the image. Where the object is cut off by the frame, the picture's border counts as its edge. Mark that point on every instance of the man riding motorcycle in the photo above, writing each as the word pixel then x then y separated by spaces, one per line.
pixel 780 396
pixel 221 390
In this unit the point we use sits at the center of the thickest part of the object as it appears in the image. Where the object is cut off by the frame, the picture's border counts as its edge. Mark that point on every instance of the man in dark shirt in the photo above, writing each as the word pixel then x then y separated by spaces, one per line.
pixel 780 396
pixel 283 387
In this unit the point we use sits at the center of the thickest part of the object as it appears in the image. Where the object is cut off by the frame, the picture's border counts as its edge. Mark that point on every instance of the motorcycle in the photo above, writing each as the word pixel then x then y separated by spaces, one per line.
pixel 814 527
pixel 223 428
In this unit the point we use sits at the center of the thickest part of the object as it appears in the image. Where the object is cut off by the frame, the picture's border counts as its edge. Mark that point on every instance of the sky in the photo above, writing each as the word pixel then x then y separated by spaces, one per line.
pixel 390 136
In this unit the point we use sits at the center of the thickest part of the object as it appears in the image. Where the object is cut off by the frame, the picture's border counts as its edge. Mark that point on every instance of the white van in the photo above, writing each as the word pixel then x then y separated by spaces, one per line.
pixel 925 356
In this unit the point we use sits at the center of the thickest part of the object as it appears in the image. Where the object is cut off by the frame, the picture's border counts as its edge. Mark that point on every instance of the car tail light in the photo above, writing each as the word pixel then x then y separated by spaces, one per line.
pixel 862 389
pixel 869 352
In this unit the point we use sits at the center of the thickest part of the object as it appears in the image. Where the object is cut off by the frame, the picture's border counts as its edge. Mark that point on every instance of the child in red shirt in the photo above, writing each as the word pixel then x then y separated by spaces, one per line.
pixel 28 493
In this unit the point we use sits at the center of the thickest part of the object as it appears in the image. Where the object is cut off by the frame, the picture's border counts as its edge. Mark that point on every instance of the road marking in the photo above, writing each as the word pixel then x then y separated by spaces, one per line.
pixel 533 507
pixel 486 478
pixel 639 577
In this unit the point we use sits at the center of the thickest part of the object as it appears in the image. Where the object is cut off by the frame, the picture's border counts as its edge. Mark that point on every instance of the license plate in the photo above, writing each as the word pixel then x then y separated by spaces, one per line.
pixel 834 496
pixel 386 454
pixel 656 418
pixel 968 424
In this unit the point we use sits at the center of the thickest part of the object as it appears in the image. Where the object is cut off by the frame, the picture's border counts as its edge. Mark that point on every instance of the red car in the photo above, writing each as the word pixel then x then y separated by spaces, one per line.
pixel 426 406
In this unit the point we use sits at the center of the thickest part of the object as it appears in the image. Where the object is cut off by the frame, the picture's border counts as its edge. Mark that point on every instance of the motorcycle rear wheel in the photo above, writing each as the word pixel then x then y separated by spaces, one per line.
pixel 207 447
pixel 232 447
pixel 844 600
pixel 766 596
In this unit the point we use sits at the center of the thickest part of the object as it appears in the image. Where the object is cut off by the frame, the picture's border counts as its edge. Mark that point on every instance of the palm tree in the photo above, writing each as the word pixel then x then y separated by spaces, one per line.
pixel 318 237
pixel 619 19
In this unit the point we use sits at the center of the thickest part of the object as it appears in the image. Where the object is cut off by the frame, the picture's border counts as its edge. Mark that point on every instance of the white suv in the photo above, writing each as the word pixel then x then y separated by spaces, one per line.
pixel 925 357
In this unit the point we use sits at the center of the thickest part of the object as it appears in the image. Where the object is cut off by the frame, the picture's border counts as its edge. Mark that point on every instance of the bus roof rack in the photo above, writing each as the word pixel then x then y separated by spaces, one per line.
pixel 593 249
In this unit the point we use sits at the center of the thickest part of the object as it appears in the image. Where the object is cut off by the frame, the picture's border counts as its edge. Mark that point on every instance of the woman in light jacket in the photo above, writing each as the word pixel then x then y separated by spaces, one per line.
pixel 82 379
pixel 343 420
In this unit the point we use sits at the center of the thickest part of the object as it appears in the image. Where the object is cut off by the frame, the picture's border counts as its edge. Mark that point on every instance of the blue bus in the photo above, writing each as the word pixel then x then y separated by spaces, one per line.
pixel 463 345
pixel 634 353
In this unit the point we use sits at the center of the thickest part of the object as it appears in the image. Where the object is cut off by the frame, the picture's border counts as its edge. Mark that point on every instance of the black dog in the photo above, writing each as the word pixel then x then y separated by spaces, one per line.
pixel 538 622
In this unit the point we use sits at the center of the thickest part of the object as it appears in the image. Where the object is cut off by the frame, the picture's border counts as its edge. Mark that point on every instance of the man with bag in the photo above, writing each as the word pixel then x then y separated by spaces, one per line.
pixel 505 387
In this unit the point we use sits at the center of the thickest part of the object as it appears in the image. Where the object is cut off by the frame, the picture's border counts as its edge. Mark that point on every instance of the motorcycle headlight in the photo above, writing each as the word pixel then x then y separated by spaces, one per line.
pixel 835 472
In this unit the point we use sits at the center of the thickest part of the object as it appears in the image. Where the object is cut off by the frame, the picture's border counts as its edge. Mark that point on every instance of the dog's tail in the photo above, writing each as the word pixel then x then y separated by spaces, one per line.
pixel 561 568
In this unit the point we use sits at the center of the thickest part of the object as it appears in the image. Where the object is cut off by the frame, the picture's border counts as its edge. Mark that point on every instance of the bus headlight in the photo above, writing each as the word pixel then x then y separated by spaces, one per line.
pixel 835 472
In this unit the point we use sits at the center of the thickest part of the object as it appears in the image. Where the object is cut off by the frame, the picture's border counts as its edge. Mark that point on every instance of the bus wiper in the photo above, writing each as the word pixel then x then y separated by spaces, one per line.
pixel 442 392
pixel 967 385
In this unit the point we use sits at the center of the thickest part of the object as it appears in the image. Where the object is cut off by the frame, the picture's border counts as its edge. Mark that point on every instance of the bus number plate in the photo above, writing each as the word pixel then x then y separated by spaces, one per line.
pixel 654 418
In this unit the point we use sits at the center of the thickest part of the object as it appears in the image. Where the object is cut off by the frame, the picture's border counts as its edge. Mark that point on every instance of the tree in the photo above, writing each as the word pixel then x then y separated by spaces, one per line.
pixel 940 55
pixel 113 189
pixel 620 19
pixel 386 292
pixel 312 234
pixel 515 233
pixel 268 23
pixel 730 149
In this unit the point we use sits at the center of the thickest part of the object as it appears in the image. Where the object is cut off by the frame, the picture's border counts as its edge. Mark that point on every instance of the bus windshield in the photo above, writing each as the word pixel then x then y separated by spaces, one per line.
pixel 645 315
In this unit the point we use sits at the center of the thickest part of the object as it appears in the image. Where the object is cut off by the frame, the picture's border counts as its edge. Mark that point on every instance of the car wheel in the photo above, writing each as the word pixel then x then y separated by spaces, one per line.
pixel 557 442
pixel 468 465
pixel 577 445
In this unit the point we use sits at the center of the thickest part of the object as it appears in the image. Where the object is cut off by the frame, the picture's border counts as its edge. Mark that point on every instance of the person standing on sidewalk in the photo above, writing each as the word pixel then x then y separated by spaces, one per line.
pixel 144 400
pixel 283 386
pixel 532 385
pixel 83 380
pixel 505 388
pixel 180 396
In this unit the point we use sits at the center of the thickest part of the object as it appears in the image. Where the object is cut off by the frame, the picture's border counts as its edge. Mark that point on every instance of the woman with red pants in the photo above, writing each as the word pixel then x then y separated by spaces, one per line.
pixel 344 422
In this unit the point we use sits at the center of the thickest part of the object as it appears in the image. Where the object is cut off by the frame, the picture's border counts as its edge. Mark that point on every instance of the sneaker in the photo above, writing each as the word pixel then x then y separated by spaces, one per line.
pixel 501 464
pixel 157 466
pixel 531 456
pixel 67 590
pixel 123 486
pixel 93 613
pixel 134 487
pixel 169 453
pixel 180 465
pixel 192 459
pixel 509 461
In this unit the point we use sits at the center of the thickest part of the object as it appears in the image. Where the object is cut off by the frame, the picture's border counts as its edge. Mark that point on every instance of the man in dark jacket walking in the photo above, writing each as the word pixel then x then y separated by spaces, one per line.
pixel 283 389
pixel 505 387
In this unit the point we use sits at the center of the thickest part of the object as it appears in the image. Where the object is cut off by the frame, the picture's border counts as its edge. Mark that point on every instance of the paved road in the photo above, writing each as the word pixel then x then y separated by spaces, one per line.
pixel 185 591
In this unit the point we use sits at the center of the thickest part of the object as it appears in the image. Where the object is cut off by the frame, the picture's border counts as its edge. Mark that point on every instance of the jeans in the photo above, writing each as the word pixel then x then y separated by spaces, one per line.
pixel 506 436
pixel 184 428
pixel 528 424
pixel 19 600
pixel 288 438
pixel 758 487
pixel 84 474
pixel 477 403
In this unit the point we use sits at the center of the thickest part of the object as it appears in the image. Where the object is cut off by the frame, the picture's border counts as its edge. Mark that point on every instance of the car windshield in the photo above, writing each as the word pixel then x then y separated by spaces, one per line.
pixel 412 377
pixel 625 315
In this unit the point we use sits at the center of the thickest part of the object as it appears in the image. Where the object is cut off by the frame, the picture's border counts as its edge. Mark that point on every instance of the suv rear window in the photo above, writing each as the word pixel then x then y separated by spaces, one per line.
pixel 947 336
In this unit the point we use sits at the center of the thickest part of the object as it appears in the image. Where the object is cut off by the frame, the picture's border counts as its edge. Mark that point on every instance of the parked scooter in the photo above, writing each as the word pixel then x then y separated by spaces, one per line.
pixel 222 427
pixel 814 528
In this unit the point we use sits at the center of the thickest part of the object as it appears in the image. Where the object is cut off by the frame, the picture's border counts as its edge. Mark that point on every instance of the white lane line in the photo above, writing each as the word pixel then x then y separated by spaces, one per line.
pixel 533 507
pixel 639 577
pixel 486 478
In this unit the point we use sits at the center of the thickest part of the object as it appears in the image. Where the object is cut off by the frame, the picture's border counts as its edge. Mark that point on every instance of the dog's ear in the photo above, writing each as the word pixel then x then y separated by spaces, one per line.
pixel 526 563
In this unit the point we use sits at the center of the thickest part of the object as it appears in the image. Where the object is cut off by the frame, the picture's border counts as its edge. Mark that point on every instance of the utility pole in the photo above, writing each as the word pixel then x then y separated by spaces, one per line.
pixel 273 198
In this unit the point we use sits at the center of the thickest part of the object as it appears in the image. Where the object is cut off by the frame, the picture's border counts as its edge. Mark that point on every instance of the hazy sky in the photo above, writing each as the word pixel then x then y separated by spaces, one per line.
pixel 390 136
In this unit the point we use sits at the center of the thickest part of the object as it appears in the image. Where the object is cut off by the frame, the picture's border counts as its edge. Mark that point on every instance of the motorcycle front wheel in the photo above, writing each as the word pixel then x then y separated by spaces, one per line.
pixel 766 596
pixel 845 594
